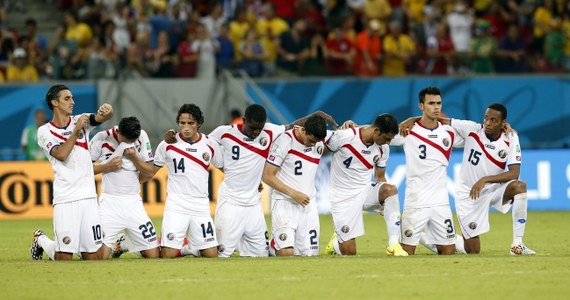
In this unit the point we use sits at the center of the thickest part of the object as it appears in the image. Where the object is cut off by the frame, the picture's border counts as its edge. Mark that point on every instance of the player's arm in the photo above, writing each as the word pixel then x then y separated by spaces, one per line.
pixel 110 166
pixel 379 174
pixel 149 173
pixel 270 178
pixel 146 169
pixel 301 121
pixel 409 122
pixel 104 113
pixel 62 151
pixel 512 174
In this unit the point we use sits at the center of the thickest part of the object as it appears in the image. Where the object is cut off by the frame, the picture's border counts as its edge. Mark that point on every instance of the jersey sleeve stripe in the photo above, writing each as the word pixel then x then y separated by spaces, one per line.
pixel 445 153
pixel 493 160
pixel 304 156
pixel 263 153
pixel 192 158
pixel 359 156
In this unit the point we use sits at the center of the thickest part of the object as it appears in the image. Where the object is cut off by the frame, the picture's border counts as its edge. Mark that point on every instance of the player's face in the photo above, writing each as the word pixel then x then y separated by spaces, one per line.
pixel 383 138
pixel 188 127
pixel 252 129
pixel 431 106
pixel 309 140
pixel 493 122
pixel 65 102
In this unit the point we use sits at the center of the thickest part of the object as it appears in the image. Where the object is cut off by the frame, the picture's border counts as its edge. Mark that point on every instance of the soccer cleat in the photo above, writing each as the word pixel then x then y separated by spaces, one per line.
pixel 330 247
pixel 36 250
pixel 521 249
pixel 118 250
pixel 396 250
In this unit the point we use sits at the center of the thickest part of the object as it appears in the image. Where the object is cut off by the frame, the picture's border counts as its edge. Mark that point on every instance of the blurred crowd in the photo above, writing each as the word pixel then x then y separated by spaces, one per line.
pixel 276 38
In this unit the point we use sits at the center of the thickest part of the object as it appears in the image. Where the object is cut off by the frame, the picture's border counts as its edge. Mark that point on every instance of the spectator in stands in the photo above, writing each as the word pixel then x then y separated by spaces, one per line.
pixel 380 10
pixel 29 139
pixel 336 11
pixel 206 47
pixel 78 31
pixel 292 50
pixel 399 50
pixel 164 57
pixel 238 27
pixel 284 9
pixel 21 71
pixel 253 54
pixel 187 59
pixel 214 21
pixel 340 53
pixel 38 43
pixel 98 60
pixel 123 21
pixel 64 55
pixel 498 17
pixel 511 52
pixel 440 52
pixel 460 21
pixel 554 46
pixel 369 50
pixel 566 32
pixel 224 57
pixel 269 28
pixel 140 56
pixel 542 18
pixel 483 48
pixel 315 62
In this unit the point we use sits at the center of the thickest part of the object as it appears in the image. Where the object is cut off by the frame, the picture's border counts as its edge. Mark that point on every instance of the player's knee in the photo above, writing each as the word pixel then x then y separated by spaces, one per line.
pixel 285 252
pixel 519 187
pixel 387 190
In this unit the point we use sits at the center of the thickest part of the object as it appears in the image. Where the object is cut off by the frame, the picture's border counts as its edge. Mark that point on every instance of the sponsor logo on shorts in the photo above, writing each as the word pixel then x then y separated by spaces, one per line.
pixel 209 240
pixel 522 221
pixel 206 156
pixel 398 223
pixel 263 141
pixel 345 229
pixel 503 153
pixel 283 236
pixel 451 236
pixel 472 225
pixel 151 239
pixel 170 236
pixel 66 240
pixel 445 142
pixel 221 248
pixel 408 233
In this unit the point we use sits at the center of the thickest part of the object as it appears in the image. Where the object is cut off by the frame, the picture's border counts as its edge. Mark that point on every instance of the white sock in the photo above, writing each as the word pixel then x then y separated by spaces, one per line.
pixel 392 218
pixel 424 242
pixel 48 246
pixel 520 203
pixel 187 251
pixel 460 244
pixel 336 246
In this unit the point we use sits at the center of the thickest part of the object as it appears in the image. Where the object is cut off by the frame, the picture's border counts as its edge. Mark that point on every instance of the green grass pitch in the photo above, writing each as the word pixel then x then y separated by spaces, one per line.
pixel 493 274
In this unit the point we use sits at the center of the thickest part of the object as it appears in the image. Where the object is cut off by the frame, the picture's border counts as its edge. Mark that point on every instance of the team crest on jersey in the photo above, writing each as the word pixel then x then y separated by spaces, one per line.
pixel 345 229
pixel 66 240
pixel 472 225
pixel 408 233
pixel 271 158
pixel 320 150
pixel 503 153
pixel 445 142
pixel 376 158
pixel 283 236
pixel 170 236
pixel 263 141
pixel 206 156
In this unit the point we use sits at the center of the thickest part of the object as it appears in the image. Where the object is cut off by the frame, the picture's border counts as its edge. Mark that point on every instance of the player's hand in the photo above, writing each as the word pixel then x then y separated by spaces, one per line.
pixel 170 136
pixel 476 189
pixel 105 110
pixel 81 123
pixel 508 129
pixel 327 118
pixel 301 198
pixel 260 187
pixel 348 124
pixel 130 153
pixel 406 126
pixel 114 164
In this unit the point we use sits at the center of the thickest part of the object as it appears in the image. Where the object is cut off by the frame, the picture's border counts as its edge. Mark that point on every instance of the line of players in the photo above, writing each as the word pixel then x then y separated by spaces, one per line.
pixel 284 156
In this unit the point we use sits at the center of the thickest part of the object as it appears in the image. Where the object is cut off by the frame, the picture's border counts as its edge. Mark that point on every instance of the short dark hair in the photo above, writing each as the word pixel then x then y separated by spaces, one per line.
pixel 429 90
pixel 53 93
pixel 130 128
pixel 316 126
pixel 386 123
pixel 193 110
pixel 500 108
pixel 235 113
pixel 255 113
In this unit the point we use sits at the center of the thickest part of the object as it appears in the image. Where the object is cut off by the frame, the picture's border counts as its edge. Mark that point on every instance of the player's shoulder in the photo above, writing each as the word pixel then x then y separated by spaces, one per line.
pixel 274 127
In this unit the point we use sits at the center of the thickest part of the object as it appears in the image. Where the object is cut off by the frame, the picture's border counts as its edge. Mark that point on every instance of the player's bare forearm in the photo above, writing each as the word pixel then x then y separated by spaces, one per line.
pixel 512 174
pixel 62 151
pixel 379 174
pixel 301 121
pixel 270 178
